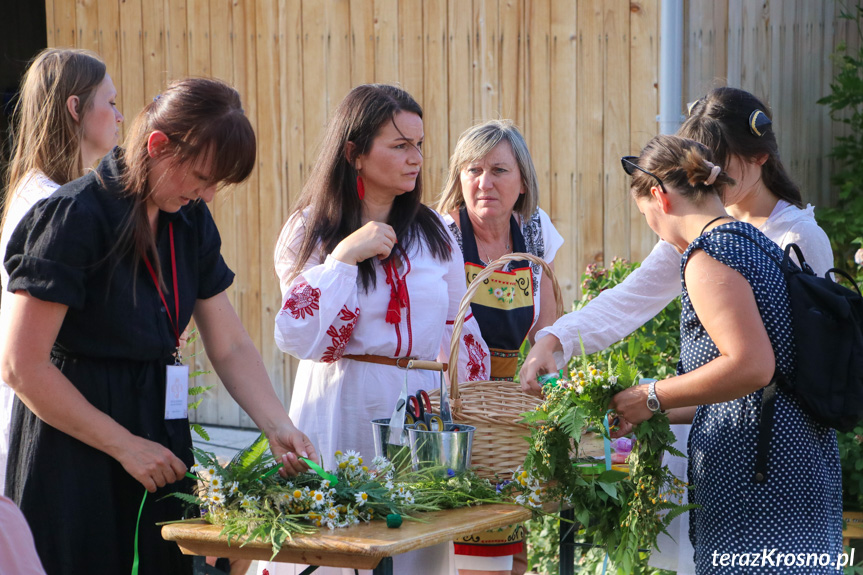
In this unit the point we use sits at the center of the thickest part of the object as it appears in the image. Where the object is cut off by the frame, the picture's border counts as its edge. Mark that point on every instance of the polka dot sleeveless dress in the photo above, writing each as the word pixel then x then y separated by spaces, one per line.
pixel 790 523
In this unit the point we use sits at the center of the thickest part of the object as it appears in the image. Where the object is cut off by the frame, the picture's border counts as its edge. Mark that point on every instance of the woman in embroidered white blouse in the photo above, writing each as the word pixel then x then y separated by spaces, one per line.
pixel 369 277
pixel 736 126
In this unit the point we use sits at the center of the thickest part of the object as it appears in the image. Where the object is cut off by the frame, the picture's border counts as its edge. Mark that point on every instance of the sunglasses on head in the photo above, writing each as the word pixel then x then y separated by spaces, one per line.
pixel 629 166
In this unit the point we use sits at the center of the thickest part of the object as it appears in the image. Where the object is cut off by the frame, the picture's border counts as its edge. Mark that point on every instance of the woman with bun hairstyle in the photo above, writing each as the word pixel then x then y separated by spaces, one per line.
pixel 738 129
pixel 736 337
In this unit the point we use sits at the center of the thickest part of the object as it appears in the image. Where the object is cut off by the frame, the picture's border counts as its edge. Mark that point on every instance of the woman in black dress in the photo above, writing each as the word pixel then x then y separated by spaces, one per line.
pixel 104 275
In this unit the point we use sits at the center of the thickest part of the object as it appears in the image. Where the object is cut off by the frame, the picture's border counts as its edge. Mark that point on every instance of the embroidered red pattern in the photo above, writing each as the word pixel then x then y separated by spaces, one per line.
pixel 303 301
pixel 476 355
pixel 341 335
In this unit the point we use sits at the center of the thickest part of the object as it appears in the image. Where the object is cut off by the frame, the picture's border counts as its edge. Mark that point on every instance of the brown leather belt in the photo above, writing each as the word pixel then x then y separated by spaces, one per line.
pixel 402 362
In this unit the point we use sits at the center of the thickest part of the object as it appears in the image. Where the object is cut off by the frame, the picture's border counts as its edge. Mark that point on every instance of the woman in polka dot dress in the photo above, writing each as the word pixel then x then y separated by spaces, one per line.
pixel 735 332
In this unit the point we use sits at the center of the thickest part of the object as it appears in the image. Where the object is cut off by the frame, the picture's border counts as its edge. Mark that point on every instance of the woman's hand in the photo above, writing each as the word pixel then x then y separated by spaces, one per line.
pixel 151 464
pixel 288 444
pixel 373 239
pixel 631 405
pixel 241 369
pixel 539 361
pixel 618 427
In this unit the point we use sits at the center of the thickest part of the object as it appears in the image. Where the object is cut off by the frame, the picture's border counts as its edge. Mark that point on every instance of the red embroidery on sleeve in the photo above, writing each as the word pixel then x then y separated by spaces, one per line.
pixel 476 355
pixel 341 335
pixel 303 301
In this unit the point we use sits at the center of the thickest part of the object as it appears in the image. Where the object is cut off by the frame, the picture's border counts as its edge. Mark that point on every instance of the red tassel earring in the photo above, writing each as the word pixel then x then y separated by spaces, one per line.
pixel 361 188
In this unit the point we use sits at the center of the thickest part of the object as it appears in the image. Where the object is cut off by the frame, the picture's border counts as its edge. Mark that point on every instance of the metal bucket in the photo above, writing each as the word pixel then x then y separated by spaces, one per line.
pixel 447 449
pixel 383 447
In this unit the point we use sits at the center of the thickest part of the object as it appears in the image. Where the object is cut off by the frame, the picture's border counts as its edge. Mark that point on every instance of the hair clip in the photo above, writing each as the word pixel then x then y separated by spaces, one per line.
pixel 714 172
pixel 156 98
pixel 691 105
pixel 758 123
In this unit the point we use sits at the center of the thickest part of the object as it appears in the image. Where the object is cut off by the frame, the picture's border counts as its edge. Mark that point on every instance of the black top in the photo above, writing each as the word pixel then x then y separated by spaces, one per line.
pixel 113 346
pixel 63 252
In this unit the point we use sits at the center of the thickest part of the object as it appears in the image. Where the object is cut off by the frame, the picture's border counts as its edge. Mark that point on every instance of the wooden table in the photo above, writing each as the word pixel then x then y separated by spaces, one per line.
pixel 366 546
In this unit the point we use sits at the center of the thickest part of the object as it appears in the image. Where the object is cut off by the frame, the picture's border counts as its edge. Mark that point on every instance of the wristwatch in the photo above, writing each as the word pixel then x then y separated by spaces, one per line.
pixel 652 400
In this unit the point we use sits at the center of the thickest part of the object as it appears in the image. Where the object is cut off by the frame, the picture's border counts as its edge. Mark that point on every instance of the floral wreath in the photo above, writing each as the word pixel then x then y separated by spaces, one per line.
pixel 624 512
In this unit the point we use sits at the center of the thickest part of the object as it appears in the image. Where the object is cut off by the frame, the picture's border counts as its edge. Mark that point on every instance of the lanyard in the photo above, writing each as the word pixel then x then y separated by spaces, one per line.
pixel 173 320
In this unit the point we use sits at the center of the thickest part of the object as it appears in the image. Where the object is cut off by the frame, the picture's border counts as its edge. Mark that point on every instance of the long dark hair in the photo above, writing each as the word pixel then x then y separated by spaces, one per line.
pixel 201 117
pixel 333 208
pixel 721 121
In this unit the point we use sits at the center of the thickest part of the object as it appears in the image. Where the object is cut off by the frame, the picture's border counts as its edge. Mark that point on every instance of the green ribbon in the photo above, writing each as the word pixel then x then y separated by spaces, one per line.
pixel 320 471
pixel 312 465
pixel 136 559
pixel 606 444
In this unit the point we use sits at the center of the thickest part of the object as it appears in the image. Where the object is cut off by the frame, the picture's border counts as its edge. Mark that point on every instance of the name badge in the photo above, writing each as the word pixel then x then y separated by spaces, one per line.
pixel 177 392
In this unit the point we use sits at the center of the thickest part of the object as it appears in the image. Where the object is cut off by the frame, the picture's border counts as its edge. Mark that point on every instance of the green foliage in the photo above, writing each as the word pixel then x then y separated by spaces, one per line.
pixel 654 348
pixel 543 537
pixel 250 501
pixel 843 223
pixel 852 469
pixel 621 512
pixel 200 430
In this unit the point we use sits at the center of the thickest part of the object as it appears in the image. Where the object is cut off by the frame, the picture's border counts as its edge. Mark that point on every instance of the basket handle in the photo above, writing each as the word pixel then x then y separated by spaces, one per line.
pixel 464 306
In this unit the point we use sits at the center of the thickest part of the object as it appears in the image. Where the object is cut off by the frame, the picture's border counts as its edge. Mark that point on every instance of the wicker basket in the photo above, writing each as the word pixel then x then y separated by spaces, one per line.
pixel 493 407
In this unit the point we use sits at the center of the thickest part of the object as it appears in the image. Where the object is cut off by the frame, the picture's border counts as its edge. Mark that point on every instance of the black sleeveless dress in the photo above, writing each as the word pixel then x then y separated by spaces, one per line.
pixel 792 521
pixel 113 346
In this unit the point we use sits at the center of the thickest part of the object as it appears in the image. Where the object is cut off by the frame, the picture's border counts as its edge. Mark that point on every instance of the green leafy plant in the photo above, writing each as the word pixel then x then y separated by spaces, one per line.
pixel 843 222
pixel 250 501
pixel 652 349
pixel 620 511
pixel 852 469
pixel 197 390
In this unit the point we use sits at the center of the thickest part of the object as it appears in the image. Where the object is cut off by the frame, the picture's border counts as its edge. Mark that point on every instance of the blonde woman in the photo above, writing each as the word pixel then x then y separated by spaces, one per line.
pixel 490 205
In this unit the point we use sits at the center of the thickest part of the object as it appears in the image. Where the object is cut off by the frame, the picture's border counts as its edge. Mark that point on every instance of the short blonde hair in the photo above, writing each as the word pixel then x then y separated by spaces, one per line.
pixel 477 142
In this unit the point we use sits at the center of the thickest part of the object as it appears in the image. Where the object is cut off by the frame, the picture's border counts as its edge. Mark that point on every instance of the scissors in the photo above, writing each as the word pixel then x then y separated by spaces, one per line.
pixel 409 414
pixel 419 408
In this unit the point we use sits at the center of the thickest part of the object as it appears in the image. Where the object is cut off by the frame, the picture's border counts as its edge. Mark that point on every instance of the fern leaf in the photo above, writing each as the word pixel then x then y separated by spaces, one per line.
pixel 186 497
pixel 199 429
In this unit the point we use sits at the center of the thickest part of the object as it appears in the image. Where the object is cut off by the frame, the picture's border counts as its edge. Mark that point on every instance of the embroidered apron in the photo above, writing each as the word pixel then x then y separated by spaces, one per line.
pixel 504 309
pixel 504 306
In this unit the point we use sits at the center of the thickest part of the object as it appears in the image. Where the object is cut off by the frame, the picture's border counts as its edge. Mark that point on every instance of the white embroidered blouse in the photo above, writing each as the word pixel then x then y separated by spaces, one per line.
pixel 326 314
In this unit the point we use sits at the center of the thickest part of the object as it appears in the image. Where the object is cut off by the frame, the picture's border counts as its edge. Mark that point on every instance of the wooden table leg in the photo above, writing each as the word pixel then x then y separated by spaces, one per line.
pixel 385 567
pixel 567 542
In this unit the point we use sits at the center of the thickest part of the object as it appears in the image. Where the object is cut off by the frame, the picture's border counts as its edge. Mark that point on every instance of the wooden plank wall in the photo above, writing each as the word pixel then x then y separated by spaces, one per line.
pixel 580 78
pixel 780 51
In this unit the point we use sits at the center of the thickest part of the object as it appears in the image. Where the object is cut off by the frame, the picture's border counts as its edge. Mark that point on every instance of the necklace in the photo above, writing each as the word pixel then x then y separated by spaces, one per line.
pixel 711 221
pixel 488 260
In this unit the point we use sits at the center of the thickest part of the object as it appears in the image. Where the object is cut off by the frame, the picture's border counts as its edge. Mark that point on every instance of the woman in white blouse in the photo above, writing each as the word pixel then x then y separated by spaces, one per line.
pixel 737 127
pixel 370 277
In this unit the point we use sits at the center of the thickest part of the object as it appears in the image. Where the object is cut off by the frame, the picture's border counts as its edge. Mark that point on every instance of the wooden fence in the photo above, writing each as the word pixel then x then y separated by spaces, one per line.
pixel 579 77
